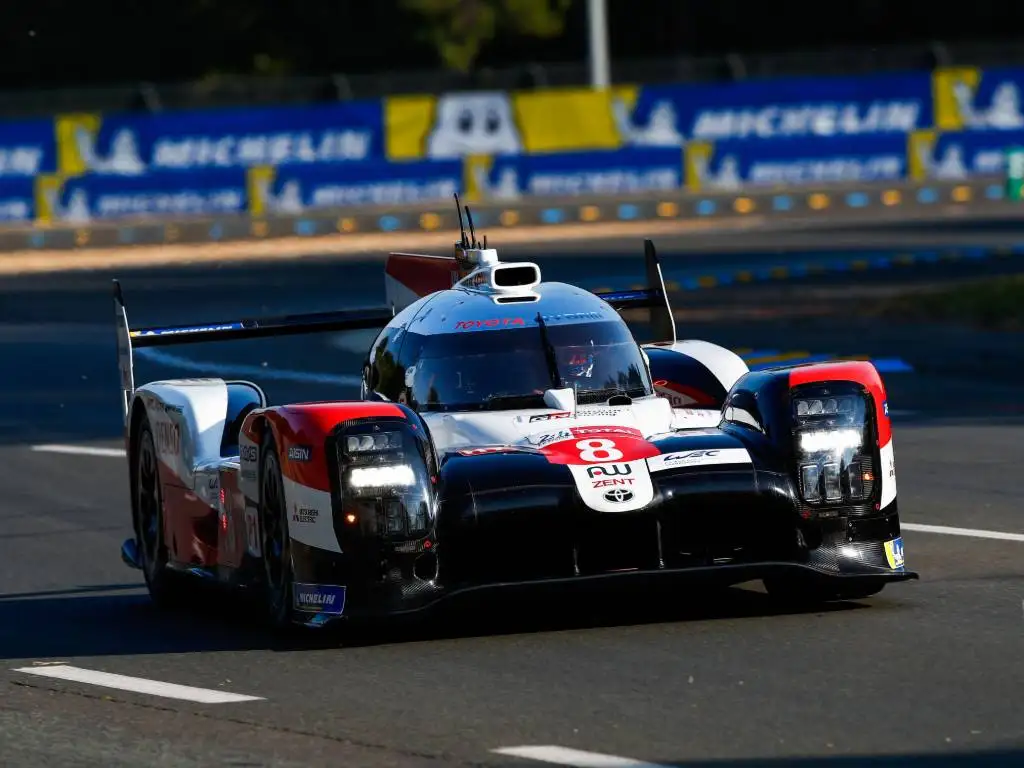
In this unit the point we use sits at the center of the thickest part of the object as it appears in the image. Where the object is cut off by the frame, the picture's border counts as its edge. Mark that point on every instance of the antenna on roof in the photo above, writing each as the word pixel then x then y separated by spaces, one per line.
pixel 463 243
pixel 472 231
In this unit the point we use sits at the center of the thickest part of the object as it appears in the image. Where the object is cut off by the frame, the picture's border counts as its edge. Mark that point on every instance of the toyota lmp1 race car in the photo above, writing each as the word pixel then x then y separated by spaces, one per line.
pixel 509 433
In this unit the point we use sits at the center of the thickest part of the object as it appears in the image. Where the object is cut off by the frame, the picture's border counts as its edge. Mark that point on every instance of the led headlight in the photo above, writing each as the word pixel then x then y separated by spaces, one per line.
pixel 373 441
pixel 831 431
pixel 384 480
pixel 825 406
pixel 389 476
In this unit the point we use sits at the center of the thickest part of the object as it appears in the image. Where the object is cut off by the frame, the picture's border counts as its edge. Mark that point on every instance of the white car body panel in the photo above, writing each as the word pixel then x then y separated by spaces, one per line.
pixel 187 417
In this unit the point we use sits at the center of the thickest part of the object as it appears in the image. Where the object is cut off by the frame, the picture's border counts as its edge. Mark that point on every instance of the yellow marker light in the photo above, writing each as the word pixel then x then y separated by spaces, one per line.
pixel 667 210
pixel 430 221
pixel 962 194
pixel 743 205
pixel 818 201
pixel 590 213
pixel 509 218
pixel 891 197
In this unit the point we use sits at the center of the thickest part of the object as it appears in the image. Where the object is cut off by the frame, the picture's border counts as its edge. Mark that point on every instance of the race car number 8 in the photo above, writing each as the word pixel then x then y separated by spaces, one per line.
pixel 598 449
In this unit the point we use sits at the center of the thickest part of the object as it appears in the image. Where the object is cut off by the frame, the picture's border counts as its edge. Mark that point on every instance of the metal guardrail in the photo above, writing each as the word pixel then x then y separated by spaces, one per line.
pixel 810 203
pixel 255 91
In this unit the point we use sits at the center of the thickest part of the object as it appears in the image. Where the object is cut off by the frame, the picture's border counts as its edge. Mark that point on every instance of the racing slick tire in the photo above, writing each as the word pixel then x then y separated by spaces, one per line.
pixel 167 589
pixel 797 592
pixel 278 574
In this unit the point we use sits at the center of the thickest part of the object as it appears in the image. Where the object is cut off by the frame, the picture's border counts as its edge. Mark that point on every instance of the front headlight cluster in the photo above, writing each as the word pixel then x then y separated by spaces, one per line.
pixel 383 476
pixel 833 447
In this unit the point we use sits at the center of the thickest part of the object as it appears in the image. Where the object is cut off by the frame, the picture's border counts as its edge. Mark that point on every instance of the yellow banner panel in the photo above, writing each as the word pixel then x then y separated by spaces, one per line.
pixel 696 162
pixel 259 180
pixel 76 138
pixel 407 124
pixel 952 87
pixel 566 119
pixel 920 151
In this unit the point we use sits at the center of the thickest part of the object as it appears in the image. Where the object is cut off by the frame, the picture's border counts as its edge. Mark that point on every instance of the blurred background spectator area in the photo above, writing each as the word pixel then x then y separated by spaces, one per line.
pixel 116 55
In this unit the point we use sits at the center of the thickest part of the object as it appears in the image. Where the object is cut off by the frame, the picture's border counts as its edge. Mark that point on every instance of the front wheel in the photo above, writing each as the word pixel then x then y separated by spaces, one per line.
pixel 277 552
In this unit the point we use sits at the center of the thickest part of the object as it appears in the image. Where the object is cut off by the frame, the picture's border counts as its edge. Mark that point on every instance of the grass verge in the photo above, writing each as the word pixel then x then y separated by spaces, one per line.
pixel 995 303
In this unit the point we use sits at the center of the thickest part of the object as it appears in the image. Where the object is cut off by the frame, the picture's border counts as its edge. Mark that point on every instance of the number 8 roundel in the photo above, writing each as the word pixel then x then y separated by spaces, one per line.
pixel 600 445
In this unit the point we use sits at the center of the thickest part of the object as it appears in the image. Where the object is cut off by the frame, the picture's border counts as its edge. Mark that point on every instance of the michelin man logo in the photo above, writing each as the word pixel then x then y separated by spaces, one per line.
pixel 473 124
pixel 727 177
pixel 288 200
pixel 504 187
pixel 75 211
pixel 123 158
pixel 660 131
pixel 1003 113
pixel 950 165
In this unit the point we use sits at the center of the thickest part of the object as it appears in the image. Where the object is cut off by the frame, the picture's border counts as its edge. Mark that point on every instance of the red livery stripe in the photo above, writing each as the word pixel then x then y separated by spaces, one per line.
pixel 304 428
pixel 859 371
pixel 422 274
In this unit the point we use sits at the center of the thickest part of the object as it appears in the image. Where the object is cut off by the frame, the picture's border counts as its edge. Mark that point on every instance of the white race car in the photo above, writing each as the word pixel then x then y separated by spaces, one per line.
pixel 509 433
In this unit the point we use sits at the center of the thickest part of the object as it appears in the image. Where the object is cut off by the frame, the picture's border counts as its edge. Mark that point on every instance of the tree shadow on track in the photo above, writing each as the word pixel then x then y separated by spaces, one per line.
pixel 79 622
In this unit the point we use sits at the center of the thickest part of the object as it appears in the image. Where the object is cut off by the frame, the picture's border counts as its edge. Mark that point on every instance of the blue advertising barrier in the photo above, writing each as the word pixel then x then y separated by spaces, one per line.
pixel 971 99
pixel 948 124
pixel 295 188
pixel 810 108
pixel 960 155
pixel 185 194
pixel 27 148
pixel 612 172
pixel 131 145
pixel 17 200
pixel 739 163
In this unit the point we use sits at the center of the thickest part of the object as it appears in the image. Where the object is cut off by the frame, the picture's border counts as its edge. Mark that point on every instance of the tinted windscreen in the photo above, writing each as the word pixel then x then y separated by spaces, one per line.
pixel 511 368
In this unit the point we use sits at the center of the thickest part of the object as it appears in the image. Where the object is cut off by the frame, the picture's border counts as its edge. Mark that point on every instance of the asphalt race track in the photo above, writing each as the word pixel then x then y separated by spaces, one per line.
pixel 929 673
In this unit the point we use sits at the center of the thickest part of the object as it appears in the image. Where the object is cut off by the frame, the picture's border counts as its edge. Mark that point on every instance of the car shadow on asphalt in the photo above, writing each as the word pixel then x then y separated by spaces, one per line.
pixel 120 620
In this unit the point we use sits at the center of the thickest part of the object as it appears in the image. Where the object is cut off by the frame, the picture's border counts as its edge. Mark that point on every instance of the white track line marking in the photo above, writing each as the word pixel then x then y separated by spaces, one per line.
pixel 970 532
pixel 574 757
pixel 81 450
pixel 137 684
pixel 256 371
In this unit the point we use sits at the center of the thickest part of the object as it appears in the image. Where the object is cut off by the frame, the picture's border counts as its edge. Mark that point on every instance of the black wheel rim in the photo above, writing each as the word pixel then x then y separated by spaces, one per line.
pixel 275 537
pixel 149 512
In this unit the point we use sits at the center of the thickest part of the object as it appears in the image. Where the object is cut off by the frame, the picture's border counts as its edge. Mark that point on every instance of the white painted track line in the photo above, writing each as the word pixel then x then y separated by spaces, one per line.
pixel 574 757
pixel 974 533
pixel 137 684
pixel 80 450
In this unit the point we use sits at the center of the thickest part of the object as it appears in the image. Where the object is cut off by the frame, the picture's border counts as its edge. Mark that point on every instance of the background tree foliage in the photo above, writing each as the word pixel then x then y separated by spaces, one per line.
pixel 57 43
pixel 458 29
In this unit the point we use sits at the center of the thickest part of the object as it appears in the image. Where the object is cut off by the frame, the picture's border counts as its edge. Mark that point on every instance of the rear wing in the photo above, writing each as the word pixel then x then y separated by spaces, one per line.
pixel 129 338
pixel 653 298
